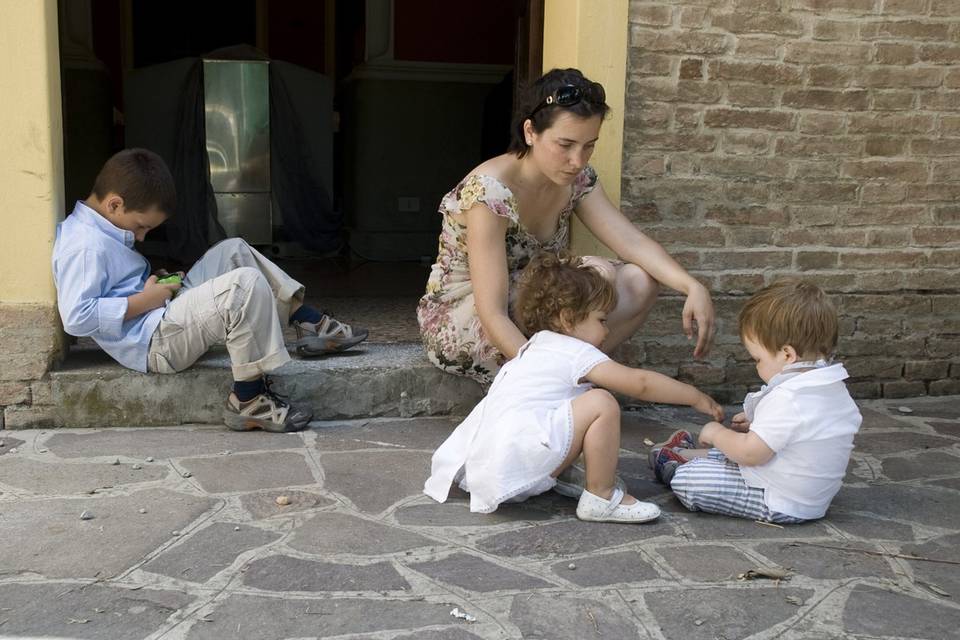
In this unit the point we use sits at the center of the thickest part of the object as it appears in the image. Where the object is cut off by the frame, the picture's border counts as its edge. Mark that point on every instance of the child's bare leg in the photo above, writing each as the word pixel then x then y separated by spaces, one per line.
pixel 596 432
pixel 690 454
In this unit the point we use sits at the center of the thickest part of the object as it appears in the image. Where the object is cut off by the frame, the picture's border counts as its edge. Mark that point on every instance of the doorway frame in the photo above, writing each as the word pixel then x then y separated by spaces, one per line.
pixel 593 37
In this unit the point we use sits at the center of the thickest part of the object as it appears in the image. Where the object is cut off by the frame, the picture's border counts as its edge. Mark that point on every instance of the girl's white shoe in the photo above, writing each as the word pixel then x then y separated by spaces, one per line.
pixel 595 509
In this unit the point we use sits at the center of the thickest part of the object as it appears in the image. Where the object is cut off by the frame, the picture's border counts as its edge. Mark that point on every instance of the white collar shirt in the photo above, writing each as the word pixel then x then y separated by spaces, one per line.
pixel 809 420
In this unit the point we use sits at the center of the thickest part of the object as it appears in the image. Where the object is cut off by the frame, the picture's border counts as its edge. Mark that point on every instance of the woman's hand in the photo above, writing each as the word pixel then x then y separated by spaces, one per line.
pixel 708 406
pixel 698 310
pixel 740 423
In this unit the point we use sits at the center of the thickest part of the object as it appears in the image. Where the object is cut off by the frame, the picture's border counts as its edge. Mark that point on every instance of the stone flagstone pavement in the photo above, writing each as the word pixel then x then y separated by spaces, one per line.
pixel 185 539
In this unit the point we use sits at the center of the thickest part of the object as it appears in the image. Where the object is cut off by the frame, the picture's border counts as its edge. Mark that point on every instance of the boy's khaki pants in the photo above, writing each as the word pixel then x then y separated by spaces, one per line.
pixel 235 296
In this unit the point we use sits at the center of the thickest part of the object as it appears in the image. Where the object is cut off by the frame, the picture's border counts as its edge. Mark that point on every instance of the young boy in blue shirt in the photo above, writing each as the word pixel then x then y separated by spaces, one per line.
pixel 233 295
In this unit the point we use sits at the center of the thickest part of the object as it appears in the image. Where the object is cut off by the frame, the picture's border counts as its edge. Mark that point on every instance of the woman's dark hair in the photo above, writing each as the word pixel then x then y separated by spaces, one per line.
pixel 141 178
pixel 590 104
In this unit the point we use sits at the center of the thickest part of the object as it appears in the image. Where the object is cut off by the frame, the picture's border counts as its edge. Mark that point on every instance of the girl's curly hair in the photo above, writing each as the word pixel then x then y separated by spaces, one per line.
pixel 558 288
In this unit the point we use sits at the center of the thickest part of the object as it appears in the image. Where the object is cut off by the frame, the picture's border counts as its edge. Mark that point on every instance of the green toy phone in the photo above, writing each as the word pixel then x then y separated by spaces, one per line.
pixel 173 278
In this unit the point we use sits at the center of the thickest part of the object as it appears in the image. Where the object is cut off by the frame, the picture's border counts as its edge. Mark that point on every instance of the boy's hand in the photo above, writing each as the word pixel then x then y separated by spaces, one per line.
pixel 708 433
pixel 156 294
pixel 708 406
pixel 153 296
pixel 739 423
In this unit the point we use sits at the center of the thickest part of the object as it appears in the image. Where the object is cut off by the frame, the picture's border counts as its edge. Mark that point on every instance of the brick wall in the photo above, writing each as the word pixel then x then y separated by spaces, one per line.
pixel 31 340
pixel 803 137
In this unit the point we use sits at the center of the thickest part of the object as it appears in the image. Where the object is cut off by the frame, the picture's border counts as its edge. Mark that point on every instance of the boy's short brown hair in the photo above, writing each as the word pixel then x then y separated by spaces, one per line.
pixel 141 178
pixel 791 312
pixel 554 288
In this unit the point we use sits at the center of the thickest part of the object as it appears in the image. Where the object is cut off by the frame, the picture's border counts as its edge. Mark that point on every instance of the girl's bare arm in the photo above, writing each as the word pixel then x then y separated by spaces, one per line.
pixel 653 387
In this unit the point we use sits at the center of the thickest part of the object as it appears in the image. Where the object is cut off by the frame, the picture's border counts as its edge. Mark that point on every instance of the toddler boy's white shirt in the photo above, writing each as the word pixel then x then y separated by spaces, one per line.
pixel 809 421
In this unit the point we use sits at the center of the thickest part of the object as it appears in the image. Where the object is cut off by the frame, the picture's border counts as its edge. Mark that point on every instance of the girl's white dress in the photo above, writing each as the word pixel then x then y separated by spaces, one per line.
pixel 521 431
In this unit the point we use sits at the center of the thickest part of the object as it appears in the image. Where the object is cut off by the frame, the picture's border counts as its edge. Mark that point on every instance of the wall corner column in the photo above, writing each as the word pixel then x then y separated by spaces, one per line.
pixel 31 180
pixel 593 37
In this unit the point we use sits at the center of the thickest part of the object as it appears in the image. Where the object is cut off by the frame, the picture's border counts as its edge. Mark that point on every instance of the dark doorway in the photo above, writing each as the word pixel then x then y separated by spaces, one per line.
pixel 415 106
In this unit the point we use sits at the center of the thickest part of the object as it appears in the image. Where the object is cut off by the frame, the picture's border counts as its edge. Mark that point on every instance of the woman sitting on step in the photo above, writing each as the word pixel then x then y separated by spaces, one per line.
pixel 519 203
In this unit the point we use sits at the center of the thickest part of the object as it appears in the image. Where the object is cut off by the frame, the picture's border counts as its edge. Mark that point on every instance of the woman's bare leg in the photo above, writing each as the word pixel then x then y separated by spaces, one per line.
pixel 636 293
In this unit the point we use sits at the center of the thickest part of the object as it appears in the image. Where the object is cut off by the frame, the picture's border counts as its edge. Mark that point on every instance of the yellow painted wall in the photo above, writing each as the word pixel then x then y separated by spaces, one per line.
pixel 31 149
pixel 591 35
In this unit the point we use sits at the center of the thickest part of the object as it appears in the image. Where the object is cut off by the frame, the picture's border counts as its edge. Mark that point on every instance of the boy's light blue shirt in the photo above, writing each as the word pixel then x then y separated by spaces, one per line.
pixel 96 269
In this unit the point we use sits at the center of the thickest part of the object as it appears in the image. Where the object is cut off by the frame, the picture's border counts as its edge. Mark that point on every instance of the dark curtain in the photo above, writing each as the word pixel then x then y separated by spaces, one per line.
pixel 165 113
pixel 195 227
pixel 301 140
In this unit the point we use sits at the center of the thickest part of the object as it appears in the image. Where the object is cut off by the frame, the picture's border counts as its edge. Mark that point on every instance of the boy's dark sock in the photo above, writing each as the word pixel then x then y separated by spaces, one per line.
pixel 248 390
pixel 306 314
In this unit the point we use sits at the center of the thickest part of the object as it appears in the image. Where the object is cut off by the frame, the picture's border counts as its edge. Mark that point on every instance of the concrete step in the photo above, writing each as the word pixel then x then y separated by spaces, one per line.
pixel 90 390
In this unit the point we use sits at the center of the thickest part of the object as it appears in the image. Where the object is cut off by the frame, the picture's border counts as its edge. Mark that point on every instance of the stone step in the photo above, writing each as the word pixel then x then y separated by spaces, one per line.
pixel 90 390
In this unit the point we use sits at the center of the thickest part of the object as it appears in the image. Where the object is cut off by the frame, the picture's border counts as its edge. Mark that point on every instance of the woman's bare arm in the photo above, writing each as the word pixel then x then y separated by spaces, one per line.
pixel 487 258
pixel 622 237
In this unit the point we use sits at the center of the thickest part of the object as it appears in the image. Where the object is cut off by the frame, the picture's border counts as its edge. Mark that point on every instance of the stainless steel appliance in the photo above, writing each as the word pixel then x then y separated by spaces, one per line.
pixel 237 119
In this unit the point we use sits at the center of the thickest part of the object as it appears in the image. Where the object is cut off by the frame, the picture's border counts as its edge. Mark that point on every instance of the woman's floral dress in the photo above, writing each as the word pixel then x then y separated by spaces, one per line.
pixel 449 325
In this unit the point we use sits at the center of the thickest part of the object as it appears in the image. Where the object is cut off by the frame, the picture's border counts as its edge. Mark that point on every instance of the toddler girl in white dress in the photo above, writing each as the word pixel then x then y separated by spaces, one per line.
pixel 543 408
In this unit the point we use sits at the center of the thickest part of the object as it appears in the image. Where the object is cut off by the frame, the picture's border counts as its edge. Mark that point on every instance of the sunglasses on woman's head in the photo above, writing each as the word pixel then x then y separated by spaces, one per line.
pixel 569 95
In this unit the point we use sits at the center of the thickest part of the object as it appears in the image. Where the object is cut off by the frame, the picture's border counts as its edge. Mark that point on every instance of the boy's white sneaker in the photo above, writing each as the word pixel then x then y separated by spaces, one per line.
pixel 593 508
pixel 267 411
pixel 326 336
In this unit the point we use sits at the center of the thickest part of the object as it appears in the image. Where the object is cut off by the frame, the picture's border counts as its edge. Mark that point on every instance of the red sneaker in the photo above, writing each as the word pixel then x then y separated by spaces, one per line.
pixel 677 440
pixel 666 465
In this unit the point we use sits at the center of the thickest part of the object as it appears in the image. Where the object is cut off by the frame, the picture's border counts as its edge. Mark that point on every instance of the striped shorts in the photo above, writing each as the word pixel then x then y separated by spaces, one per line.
pixel 713 484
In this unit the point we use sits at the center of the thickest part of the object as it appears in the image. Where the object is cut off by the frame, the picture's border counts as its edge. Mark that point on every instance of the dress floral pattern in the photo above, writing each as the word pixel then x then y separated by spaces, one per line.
pixel 449 326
